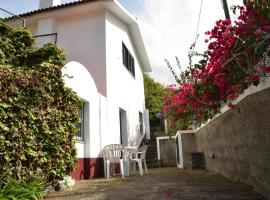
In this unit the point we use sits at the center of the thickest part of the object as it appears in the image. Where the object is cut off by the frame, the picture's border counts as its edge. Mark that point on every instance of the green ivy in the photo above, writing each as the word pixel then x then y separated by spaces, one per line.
pixel 38 114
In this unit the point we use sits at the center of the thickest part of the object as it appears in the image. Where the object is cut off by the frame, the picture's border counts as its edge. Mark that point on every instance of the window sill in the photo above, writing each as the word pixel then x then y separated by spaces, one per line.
pixel 80 142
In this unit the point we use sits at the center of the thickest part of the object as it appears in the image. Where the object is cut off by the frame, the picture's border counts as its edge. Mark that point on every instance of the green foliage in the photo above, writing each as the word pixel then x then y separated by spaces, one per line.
pixel 261 6
pixel 38 114
pixel 154 95
pixel 32 188
pixel 175 124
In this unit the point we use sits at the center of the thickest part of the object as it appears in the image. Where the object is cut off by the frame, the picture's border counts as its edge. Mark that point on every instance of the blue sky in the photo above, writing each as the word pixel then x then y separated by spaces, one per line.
pixel 21 6
pixel 168 27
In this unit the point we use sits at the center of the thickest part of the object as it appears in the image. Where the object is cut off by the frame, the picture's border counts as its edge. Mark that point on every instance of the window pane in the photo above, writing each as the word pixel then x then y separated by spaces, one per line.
pixel 128 60
pixel 123 54
pixel 132 68
pixel 80 126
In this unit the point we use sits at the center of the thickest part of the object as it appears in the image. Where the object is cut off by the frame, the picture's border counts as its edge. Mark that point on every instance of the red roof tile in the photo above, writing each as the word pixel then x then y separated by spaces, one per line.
pixel 79 2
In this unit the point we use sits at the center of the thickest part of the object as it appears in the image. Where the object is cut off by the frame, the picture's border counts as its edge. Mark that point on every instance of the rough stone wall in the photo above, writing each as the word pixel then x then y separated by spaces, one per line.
pixel 194 160
pixel 167 152
pixel 240 142
pixel 188 146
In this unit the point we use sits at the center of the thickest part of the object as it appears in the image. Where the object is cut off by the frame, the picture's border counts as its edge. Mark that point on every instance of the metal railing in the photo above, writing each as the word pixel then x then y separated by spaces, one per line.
pixel 13 21
pixel 45 39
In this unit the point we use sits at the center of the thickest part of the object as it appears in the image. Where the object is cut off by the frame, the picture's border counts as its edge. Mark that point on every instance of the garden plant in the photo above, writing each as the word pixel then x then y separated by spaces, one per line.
pixel 237 57
pixel 38 114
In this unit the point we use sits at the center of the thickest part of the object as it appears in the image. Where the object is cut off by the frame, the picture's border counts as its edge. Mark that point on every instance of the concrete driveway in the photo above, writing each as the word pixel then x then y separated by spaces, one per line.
pixel 160 184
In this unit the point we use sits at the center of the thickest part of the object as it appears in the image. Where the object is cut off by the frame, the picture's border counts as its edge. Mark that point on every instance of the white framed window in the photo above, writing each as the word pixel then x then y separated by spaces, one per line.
pixel 128 60
pixel 80 126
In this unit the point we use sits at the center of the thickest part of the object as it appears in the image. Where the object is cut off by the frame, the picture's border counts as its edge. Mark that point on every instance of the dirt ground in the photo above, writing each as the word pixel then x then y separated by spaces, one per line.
pixel 160 184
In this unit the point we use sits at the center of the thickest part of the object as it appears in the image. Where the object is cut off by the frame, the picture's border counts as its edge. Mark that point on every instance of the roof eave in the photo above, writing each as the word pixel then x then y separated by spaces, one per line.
pixel 62 6
pixel 135 32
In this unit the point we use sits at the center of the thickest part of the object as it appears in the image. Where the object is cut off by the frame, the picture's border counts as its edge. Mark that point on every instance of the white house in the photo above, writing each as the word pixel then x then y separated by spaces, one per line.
pixel 106 57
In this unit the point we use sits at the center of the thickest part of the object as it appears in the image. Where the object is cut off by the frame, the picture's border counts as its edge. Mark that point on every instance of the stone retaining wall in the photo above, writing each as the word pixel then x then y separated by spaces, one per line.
pixel 188 147
pixel 167 153
pixel 237 145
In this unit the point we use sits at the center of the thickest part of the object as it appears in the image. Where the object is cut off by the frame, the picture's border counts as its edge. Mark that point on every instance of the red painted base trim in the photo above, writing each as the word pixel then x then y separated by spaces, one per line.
pixel 88 168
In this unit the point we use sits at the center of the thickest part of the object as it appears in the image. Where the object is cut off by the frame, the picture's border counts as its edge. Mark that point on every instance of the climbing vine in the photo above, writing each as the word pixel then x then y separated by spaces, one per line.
pixel 38 113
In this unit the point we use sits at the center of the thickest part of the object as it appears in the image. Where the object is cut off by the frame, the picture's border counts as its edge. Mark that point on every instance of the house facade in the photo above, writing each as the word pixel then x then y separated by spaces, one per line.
pixel 106 58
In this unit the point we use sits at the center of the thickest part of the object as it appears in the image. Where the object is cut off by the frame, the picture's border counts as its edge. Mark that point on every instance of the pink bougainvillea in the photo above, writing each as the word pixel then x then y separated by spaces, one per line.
pixel 231 63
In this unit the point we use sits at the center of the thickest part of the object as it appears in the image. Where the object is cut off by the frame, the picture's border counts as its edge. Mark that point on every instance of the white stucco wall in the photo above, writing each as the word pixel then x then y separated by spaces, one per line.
pixel 83 39
pixel 94 39
pixel 123 90
pixel 83 84
pixel 46 26
pixel 33 28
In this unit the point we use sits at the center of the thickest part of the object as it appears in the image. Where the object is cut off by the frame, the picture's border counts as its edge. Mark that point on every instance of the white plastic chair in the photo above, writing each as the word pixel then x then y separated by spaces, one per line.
pixel 139 157
pixel 113 153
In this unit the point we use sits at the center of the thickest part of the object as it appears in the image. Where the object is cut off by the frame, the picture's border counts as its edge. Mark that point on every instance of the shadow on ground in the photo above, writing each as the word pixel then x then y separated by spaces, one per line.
pixel 160 184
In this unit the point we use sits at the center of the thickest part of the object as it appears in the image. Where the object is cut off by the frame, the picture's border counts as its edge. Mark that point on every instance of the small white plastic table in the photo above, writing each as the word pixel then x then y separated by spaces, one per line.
pixel 129 150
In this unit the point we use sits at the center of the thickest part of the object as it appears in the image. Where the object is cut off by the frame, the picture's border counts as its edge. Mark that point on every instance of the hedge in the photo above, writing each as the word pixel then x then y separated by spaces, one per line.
pixel 38 113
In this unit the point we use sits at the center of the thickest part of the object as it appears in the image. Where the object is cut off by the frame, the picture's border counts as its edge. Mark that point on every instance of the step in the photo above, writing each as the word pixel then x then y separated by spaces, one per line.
pixel 153 163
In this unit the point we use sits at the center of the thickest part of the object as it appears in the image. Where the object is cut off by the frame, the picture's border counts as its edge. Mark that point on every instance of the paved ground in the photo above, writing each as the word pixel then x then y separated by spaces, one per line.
pixel 160 184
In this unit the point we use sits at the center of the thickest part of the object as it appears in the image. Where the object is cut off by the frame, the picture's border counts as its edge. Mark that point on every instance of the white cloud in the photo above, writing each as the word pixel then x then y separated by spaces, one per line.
pixel 169 28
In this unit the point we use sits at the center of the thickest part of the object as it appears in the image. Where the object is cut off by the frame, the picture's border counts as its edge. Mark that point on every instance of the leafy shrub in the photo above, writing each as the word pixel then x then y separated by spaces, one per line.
pixel 154 95
pixel 38 114
pixel 32 188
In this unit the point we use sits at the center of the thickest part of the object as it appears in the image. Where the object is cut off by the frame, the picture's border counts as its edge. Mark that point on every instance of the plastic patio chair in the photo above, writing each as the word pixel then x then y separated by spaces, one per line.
pixel 139 157
pixel 113 153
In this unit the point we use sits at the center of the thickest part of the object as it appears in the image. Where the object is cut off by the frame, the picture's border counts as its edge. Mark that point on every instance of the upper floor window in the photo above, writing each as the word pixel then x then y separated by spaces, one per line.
pixel 128 60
